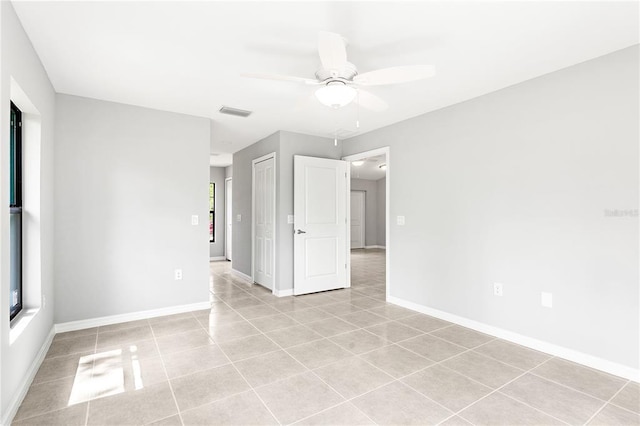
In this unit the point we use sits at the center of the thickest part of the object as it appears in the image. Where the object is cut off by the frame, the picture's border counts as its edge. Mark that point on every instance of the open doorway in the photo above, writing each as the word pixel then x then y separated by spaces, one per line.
pixel 368 222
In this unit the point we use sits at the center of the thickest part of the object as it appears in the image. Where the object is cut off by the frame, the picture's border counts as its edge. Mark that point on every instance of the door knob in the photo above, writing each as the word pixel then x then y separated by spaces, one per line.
pixel 300 231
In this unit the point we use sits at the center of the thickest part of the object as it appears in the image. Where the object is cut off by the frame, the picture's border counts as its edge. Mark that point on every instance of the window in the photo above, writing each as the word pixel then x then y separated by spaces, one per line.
pixel 212 212
pixel 15 208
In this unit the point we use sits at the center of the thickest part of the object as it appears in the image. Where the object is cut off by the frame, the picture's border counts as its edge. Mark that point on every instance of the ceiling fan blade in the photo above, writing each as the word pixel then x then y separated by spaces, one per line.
pixel 332 50
pixel 395 75
pixel 280 78
pixel 370 101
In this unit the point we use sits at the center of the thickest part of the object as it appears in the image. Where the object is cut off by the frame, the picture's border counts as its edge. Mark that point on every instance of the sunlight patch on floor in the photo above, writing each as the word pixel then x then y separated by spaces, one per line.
pixel 105 374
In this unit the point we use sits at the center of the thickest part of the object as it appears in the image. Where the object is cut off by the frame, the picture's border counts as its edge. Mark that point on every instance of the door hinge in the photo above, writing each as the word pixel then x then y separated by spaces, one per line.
pixel 345 266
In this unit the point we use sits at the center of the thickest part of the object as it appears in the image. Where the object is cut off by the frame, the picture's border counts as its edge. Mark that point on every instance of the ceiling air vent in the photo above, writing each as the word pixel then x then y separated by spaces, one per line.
pixel 234 111
pixel 343 133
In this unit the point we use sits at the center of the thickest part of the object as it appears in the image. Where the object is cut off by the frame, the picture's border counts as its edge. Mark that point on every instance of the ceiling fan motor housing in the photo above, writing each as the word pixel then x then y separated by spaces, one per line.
pixel 346 75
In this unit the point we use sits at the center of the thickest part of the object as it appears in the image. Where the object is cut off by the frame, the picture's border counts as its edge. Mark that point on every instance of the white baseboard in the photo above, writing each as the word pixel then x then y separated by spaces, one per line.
pixel 539 345
pixel 241 276
pixel 12 409
pixel 133 316
pixel 283 293
pixel 217 258
pixel 375 247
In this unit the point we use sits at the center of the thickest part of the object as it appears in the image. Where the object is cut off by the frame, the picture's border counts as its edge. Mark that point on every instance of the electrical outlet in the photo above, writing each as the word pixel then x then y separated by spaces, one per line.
pixel 400 220
pixel 546 299
pixel 290 219
pixel 177 274
pixel 194 219
pixel 497 289
pixel 239 218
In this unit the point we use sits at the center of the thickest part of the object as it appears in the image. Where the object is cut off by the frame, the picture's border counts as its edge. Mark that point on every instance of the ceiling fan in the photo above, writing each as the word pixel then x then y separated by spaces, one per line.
pixel 338 76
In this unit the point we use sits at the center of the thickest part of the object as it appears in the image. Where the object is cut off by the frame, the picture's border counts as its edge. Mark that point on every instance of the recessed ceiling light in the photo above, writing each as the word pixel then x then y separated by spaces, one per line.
pixel 383 166
pixel 357 163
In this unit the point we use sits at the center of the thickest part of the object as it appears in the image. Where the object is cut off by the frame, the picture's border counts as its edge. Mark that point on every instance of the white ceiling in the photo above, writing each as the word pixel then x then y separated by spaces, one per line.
pixel 370 170
pixel 186 57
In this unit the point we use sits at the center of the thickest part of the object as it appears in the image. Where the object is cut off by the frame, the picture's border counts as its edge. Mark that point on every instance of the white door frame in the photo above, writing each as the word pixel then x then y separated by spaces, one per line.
pixel 363 217
pixel 253 217
pixel 361 156
pixel 228 217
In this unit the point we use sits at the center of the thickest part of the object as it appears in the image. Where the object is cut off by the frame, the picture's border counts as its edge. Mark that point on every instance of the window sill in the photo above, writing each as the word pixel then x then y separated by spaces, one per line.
pixel 20 323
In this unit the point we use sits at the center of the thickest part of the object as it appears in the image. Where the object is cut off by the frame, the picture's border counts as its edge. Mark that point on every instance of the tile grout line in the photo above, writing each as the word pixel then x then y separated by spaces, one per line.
pixel 308 370
pixel 573 389
pixel 166 373
pixel 422 333
pixel 353 355
pixel 623 408
pixel 93 365
pixel 497 390
pixel 497 360
pixel 241 375
pixel 607 403
pixel 357 291
pixel 457 372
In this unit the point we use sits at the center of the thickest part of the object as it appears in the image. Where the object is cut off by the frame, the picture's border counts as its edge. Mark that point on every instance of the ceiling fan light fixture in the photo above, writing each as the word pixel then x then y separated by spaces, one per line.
pixel 335 94
pixel 357 163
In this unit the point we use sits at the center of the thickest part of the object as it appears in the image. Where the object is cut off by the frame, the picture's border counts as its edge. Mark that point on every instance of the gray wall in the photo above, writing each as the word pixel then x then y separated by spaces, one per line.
pixel 19 61
pixel 512 187
pixel 228 171
pixel 216 175
pixel 286 145
pixel 375 209
pixel 370 188
pixel 381 220
pixel 127 181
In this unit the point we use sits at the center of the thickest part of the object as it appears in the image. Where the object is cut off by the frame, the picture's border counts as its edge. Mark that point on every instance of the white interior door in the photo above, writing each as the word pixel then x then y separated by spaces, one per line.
pixel 357 219
pixel 320 212
pixel 264 222
pixel 228 218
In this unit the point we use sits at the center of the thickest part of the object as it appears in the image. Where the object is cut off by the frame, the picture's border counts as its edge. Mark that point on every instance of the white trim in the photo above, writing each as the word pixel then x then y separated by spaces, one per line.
pixel 132 316
pixel 228 242
pixel 348 227
pixel 283 293
pixel 539 345
pixel 242 276
pixel 375 247
pixel 217 258
pixel 360 156
pixel 253 216
pixel 12 409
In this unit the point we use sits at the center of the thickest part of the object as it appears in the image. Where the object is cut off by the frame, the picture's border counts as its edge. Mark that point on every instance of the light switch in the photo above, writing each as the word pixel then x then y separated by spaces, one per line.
pixel 290 218
pixel 194 219
pixel 239 218
pixel 546 299
pixel 400 220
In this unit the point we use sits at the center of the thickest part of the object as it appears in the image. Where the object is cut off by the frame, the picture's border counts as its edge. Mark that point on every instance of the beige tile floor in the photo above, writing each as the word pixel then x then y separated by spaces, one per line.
pixel 337 358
